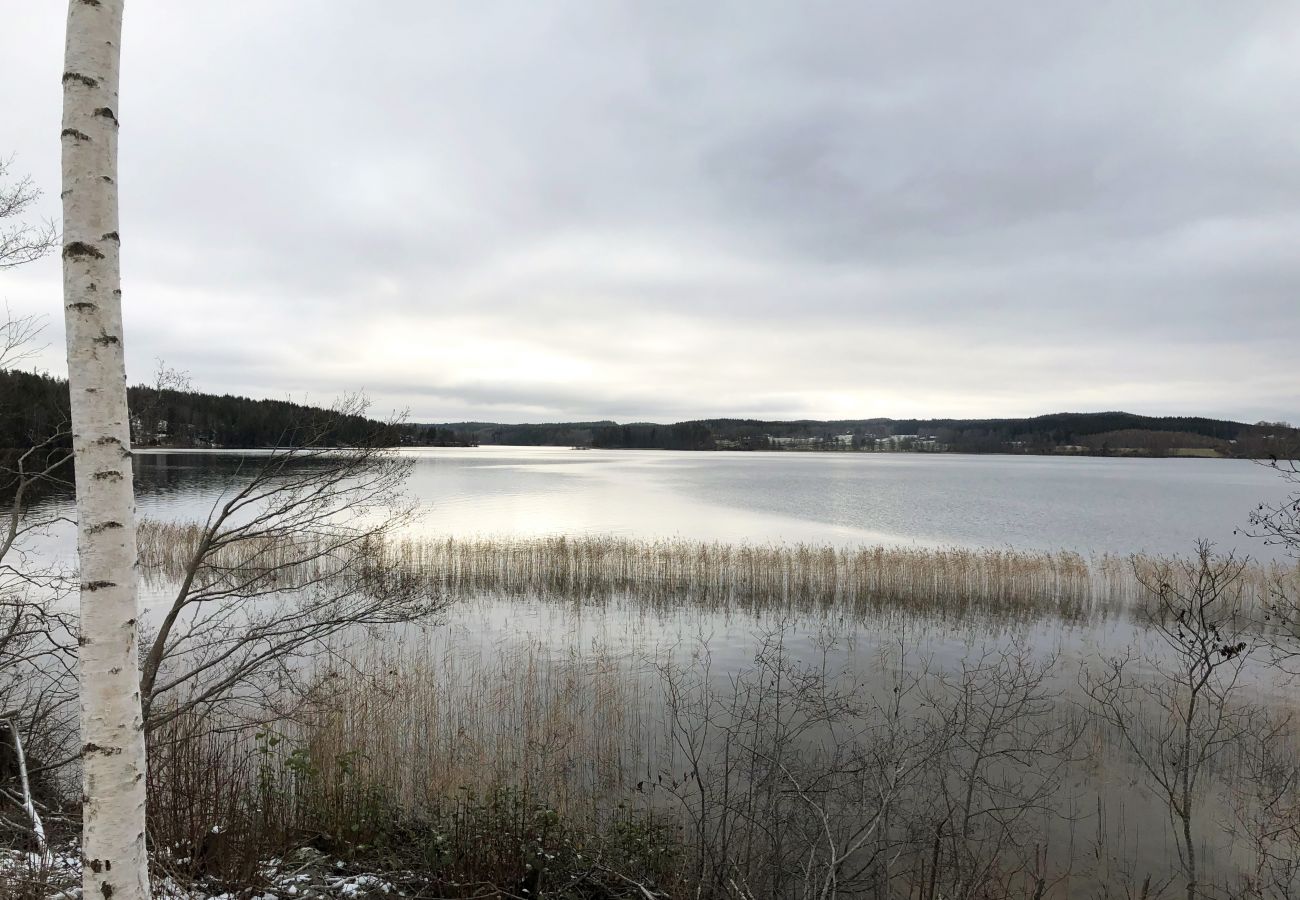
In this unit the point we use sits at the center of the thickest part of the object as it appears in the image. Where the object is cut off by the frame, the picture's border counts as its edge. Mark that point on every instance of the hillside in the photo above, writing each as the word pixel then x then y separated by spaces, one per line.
pixel 1103 433
pixel 34 406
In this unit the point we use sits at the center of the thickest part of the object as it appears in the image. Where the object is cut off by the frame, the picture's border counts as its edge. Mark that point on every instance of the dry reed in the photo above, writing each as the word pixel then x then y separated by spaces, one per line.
pixel 997 584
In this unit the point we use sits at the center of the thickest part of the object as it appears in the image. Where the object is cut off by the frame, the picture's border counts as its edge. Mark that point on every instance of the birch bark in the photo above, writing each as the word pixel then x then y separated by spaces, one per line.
pixel 113 752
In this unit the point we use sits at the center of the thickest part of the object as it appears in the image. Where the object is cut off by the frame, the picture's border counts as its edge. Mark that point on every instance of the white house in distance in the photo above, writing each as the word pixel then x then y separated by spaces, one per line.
pixel 895 441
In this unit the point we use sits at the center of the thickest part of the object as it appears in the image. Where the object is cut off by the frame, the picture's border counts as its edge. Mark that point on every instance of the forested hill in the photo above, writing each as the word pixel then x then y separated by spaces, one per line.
pixel 34 406
pixel 1105 433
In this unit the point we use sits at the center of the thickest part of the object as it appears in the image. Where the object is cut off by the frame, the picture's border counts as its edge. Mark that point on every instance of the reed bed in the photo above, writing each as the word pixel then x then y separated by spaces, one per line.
pixel 443 716
pixel 997 584
pixel 401 740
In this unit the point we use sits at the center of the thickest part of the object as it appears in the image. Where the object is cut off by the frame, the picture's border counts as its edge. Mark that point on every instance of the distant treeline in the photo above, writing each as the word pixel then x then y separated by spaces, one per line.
pixel 33 407
pixel 559 434
pixel 1098 434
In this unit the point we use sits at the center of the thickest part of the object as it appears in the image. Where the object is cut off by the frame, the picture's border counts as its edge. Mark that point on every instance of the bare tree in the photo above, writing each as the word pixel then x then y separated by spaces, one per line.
pixel 113 754
pixel 35 631
pixel 17 338
pixel 1180 718
pixel 1278 524
pixel 37 641
pixel 289 558
pixel 37 634
pixel 21 241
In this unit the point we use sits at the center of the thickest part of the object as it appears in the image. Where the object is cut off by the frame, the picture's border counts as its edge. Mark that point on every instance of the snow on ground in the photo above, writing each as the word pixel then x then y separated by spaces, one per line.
pixel 307 876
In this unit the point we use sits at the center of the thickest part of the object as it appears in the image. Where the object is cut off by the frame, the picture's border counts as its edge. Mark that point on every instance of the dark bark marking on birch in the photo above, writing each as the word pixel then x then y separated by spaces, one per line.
pixel 79 249
pixel 103 526
pixel 105 113
pixel 74 133
pixel 97 585
pixel 69 77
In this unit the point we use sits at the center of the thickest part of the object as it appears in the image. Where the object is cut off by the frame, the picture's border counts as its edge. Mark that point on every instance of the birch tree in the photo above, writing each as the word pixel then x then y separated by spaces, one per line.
pixel 113 753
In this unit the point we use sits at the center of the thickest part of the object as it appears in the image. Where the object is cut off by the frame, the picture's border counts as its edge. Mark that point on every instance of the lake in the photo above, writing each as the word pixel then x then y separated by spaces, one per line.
pixel 1088 505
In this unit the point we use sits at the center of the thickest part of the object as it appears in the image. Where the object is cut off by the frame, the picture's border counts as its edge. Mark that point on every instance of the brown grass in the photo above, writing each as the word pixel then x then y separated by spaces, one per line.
pixel 947 582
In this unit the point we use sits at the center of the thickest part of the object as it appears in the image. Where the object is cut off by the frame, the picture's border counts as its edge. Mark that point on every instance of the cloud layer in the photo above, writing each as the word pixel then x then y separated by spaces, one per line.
pixel 574 210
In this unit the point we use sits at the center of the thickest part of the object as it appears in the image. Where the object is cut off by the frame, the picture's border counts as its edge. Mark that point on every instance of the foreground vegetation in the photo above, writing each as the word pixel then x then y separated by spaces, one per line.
pixel 850 744
pixel 444 768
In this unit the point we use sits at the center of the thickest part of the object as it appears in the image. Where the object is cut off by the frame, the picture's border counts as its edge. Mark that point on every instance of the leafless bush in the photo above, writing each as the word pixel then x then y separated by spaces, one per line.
pixel 802 780
pixel 1004 749
pixel 1266 808
pixel 1187 712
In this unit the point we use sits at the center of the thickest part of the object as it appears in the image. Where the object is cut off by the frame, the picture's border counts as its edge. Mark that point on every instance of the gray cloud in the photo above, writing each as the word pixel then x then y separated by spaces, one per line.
pixel 576 210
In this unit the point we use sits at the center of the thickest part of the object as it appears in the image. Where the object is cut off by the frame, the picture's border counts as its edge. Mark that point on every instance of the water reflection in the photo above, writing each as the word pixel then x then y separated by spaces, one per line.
pixel 1087 505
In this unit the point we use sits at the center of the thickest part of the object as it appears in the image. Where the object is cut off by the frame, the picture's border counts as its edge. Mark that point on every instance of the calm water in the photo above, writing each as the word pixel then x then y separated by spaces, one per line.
pixel 1049 503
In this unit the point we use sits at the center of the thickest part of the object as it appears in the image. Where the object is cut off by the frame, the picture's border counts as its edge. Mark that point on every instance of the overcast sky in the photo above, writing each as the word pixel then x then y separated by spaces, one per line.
pixel 552 210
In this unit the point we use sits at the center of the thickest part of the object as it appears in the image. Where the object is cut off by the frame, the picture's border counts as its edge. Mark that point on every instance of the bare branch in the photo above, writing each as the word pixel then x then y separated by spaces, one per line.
pixel 289 558
pixel 21 242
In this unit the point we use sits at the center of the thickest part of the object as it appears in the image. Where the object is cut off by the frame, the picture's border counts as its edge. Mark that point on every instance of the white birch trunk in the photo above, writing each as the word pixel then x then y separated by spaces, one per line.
pixel 29 803
pixel 113 752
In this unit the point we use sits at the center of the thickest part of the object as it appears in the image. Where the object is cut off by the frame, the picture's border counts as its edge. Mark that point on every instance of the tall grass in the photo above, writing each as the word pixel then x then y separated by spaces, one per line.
pixel 472 765
pixel 947 582
pixel 476 764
